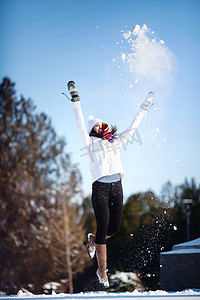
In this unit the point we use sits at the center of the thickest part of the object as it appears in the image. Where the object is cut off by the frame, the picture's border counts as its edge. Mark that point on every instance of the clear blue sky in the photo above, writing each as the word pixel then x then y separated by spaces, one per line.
pixel 44 44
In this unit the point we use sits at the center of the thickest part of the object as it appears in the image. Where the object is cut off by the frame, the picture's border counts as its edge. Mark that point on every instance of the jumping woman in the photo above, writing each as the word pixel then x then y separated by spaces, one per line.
pixel 103 146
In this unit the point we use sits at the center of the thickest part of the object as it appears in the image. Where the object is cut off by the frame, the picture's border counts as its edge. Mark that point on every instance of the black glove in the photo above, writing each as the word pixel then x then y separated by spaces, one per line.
pixel 73 91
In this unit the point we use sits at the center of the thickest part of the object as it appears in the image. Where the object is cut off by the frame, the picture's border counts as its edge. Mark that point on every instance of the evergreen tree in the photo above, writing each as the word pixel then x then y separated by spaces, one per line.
pixel 175 195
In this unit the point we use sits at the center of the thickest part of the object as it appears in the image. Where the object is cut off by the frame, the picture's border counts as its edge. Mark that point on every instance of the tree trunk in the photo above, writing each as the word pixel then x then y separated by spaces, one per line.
pixel 67 245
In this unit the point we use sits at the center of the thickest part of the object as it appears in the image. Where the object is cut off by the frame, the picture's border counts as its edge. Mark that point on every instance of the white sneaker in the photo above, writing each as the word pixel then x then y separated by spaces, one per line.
pixel 91 246
pixel 103 279
pixel 147 101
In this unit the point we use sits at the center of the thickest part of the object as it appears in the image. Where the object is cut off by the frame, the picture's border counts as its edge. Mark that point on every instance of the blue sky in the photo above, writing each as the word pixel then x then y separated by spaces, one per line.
pixel 46 43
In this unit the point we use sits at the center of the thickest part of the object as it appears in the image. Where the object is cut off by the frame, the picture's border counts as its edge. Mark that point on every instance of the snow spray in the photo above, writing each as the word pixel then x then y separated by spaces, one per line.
pixel 147 58
pixel 146 63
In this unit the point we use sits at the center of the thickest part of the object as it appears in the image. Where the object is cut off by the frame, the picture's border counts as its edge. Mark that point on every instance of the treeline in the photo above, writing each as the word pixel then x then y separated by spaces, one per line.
pixel 42 235
pixel 43 229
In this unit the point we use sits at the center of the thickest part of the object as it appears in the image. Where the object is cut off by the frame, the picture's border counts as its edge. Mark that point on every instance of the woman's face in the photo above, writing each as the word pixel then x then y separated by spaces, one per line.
pixel 98 127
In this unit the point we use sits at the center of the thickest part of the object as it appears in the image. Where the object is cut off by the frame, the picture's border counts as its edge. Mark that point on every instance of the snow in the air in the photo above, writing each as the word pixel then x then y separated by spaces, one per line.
pixel 146 64
pixel 147 56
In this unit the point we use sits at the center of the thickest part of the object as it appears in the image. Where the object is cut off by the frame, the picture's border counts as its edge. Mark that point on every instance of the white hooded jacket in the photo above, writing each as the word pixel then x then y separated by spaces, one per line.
pixel 104 156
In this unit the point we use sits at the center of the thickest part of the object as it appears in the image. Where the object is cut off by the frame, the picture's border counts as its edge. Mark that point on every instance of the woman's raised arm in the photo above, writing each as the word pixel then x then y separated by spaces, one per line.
pixel 78 113
pixel 125 135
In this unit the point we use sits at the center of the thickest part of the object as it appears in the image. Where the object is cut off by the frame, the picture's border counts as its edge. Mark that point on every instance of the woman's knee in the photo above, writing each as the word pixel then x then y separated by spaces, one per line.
pixel 114 229
pixel 100 239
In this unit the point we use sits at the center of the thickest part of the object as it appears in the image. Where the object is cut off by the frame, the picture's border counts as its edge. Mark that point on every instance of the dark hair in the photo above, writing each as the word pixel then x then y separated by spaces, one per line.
pixel 100 135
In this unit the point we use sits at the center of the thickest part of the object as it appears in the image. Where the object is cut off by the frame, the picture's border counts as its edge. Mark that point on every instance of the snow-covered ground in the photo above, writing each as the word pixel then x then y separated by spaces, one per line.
pixel 153 295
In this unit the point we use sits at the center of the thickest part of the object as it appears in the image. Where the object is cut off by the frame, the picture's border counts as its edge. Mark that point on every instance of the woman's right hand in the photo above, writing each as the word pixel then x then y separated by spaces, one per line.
pixel 73 91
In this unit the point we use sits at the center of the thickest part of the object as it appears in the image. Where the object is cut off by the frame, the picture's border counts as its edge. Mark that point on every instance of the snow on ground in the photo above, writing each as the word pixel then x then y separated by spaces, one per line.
pixel 189 294
pixel 194 244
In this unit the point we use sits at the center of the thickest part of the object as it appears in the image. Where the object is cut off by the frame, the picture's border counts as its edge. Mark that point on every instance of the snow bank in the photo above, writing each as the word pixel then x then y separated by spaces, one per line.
pixel 191 247
pixel 186 294
pixel 182 251
pixel 194 244
pixel 127 277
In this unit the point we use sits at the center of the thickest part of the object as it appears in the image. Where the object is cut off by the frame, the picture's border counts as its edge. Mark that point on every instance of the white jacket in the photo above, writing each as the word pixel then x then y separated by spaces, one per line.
pixel 104 156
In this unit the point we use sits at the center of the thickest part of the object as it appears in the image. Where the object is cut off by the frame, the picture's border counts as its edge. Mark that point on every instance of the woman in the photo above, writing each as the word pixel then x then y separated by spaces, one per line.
pixel 103 148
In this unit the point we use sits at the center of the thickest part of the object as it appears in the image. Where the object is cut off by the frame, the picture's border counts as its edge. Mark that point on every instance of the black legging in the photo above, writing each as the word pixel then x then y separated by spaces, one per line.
pixel 107 200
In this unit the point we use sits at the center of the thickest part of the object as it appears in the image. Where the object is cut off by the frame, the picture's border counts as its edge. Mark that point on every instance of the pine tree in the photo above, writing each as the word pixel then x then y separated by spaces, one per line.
pixel 174 195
